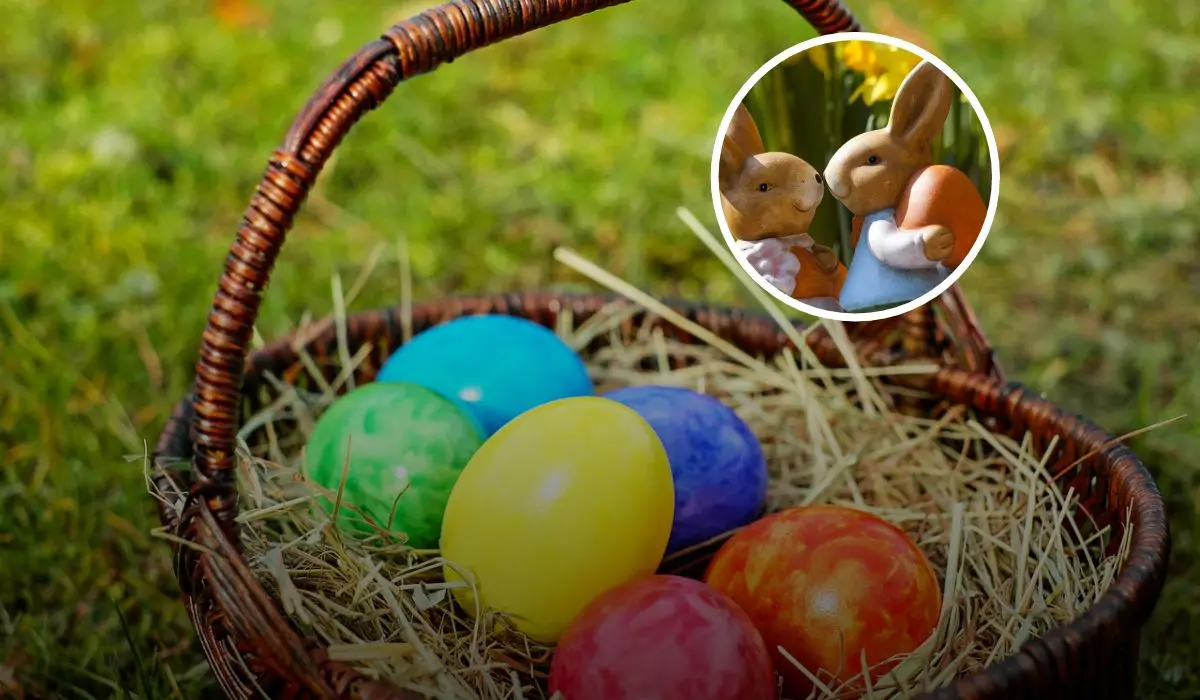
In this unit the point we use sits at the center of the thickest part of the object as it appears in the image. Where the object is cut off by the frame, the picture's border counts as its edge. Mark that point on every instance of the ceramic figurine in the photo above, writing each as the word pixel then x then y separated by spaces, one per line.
pixel 914 221
pixel 769 201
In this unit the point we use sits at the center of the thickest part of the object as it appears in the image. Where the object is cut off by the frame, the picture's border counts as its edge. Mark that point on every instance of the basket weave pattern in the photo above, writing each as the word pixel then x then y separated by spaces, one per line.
pixel 249 643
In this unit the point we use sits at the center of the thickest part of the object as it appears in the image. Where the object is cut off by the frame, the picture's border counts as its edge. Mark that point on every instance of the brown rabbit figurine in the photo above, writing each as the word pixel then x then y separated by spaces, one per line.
pixel 769 200
pixel 921 219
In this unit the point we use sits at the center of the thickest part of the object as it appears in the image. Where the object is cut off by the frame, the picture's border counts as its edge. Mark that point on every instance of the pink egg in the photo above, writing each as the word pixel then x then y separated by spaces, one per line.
pixel 662 638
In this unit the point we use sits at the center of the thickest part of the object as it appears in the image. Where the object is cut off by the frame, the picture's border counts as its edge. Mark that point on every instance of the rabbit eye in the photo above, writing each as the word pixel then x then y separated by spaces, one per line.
pixel 763 187
pixel 873 160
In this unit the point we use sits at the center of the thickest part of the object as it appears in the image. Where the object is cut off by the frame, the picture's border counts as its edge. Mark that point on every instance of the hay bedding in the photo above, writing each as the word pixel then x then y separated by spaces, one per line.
pixel 1004 540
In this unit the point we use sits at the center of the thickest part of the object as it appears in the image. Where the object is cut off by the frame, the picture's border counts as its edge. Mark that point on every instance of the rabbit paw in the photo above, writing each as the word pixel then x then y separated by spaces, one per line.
pixel 938 242
pixel 827 260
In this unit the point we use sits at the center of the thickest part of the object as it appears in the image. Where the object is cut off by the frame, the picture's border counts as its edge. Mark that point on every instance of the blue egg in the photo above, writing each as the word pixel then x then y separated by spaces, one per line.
pixel 494 367
pixel 719 468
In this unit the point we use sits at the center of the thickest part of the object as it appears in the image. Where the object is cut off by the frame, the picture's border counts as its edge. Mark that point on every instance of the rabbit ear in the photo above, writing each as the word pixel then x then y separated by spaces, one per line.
pixel 742 140
pixel 920 107
pixel 744 132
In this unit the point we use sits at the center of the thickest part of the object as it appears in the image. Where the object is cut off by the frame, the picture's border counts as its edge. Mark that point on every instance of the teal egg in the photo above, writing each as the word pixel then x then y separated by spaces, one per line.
pixel 494 367
pixel 401 447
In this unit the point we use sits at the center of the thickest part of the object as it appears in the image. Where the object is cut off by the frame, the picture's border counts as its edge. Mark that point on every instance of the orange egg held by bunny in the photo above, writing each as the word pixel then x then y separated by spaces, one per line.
pixel 815 280
pixel 944 196
pixel 830 585
pixel 922 204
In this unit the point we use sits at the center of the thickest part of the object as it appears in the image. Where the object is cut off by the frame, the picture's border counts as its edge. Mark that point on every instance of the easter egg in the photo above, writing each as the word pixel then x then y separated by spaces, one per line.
pixel 563 503
pixel 401 447
pixel 830 584
pixel 494 367
pixel 662 637
pixel 719 469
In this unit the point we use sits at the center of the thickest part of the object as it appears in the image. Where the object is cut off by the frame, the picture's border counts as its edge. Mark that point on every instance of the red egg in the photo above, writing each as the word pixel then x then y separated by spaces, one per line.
pixel 662 638
pixel 827 584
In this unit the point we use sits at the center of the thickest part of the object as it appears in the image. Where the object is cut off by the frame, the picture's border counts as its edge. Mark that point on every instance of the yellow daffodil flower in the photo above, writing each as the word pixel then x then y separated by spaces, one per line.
pixel 883 69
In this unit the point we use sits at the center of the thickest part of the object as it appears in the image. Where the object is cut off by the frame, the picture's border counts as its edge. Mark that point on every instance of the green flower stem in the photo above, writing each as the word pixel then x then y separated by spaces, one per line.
pixel 839 77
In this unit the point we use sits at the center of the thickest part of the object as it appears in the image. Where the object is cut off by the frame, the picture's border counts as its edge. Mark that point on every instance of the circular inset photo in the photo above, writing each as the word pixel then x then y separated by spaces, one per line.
pixel 855 176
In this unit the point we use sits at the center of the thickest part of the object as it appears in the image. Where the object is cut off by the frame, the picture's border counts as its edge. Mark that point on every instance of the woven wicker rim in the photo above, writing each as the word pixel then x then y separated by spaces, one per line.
pixel 245 637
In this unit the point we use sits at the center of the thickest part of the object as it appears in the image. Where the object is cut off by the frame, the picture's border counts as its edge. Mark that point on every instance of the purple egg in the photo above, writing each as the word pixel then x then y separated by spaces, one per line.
pixel 719 468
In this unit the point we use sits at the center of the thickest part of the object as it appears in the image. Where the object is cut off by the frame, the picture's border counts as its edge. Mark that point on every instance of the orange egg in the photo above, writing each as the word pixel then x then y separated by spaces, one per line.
pixel 827 584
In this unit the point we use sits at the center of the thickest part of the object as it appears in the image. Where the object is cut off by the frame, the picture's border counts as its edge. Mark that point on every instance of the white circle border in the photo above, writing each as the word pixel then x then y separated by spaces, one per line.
pixel 993 154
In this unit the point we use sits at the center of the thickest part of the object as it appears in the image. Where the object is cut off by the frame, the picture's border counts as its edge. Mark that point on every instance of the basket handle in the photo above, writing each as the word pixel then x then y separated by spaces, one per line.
pixel 412 47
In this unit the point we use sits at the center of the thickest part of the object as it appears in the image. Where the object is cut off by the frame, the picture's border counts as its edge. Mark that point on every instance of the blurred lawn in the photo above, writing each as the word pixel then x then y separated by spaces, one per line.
pixel 131 135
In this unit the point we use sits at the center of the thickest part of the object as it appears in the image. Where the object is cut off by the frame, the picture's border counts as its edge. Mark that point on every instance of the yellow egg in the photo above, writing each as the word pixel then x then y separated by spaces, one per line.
pixel 566 501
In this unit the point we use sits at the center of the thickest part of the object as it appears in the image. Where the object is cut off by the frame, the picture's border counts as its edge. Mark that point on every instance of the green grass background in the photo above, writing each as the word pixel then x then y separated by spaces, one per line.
pixel 132 134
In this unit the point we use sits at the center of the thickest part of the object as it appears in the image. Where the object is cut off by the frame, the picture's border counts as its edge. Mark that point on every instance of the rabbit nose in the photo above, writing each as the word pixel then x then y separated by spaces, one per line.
pixel 835 184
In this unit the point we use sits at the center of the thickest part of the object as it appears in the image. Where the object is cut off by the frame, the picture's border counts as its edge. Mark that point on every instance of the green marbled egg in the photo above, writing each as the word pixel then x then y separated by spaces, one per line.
pixel 398 438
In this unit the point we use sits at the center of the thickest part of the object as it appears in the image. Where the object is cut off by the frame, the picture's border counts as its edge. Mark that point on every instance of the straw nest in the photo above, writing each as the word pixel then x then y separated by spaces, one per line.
pixel 1011 553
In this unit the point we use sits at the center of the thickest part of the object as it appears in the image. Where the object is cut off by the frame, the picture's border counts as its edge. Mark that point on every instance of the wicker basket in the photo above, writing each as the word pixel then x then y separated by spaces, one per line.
pixel 250 645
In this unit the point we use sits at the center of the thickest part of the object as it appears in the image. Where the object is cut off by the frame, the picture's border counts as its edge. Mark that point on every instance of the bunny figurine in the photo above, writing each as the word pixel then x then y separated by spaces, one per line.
pixel 769 200
pixel 920 220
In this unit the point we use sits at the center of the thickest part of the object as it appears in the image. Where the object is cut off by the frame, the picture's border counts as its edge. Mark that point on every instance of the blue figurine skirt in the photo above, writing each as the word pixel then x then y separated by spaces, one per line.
pixel 873 286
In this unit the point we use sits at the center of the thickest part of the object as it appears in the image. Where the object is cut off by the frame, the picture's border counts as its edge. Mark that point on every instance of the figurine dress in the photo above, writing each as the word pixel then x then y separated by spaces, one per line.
pixel 789 265
pixel 873 285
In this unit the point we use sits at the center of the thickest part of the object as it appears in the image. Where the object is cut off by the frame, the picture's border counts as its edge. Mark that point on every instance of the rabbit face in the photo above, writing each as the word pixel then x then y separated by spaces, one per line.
pixel 870 171
pixel 764 195
pixel 775 195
